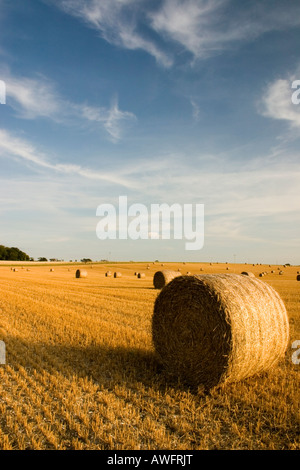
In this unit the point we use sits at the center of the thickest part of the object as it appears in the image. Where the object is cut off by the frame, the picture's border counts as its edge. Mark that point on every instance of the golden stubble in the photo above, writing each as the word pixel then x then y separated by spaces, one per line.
pixel 81 372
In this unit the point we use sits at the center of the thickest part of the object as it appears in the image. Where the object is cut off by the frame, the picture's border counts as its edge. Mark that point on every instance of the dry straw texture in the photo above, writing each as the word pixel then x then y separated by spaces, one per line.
pixel 81 273
pixel 162 278
pixel 218 328
pixel 247 273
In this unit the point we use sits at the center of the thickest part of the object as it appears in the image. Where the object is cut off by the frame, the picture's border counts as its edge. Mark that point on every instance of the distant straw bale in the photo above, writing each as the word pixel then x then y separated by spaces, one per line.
pixel 214 329
pixel 117 274
pixel 81 273
pixel 141 275
pixel 108 274
pixel 162 278
pixel 248 273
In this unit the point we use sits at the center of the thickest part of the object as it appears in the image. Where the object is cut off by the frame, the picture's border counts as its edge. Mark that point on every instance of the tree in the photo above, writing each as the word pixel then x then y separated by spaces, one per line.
pixel 41 258
pixel 12 254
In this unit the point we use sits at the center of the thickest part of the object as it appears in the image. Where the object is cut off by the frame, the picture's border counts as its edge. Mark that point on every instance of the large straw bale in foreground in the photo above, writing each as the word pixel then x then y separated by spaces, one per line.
pixel 162 278
pixel 81 273
pixel 217 328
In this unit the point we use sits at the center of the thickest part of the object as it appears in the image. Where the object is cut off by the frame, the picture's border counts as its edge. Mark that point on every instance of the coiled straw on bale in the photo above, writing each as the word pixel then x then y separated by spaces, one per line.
pixel 213 329
pixel 162 278
pixel 81 273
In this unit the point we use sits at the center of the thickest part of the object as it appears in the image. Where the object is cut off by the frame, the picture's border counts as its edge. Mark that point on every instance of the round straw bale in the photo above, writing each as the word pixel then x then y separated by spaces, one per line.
pixel 15 270
pixel 298 277
pixel 81 273
pixel 51 270
pixel 162 278
pixel 213 329
pixel 108 274
pixel 141 275
pixel 261 274
pixel 281 273
pixel 117 274
pixel 248 273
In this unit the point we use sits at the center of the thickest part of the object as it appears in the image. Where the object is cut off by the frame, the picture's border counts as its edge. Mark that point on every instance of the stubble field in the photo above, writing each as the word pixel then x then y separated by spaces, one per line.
pixel 81 372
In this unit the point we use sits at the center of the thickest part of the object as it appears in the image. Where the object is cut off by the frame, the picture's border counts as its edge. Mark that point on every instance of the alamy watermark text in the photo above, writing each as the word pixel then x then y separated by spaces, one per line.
pixel 160 222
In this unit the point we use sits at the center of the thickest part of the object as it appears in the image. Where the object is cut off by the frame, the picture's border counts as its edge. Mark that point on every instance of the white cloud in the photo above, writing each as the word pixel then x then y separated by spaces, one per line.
pixel 34 98
pixel 276 102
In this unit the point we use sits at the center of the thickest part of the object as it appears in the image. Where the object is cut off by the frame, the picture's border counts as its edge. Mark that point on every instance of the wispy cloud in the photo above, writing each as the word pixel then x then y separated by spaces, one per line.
pixel 196 109
pixel 34 98
pixel 201 27
pixel 236 199
pixel 116 22
pixel 206 27
pixel 14 147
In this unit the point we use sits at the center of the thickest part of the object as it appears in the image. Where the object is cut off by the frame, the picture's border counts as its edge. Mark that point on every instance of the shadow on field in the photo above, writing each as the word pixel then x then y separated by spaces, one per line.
pixel 103 365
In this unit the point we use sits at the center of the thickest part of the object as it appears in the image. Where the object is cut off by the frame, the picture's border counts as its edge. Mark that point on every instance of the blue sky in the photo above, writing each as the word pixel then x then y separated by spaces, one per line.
pixel 164 101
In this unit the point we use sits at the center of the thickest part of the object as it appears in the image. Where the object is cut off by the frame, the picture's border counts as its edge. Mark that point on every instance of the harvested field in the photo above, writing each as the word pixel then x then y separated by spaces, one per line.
pixel 81 372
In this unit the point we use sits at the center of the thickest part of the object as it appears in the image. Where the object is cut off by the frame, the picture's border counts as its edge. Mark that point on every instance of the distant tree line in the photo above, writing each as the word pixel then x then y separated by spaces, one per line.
pixel 12 254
